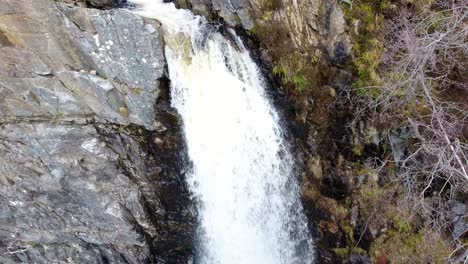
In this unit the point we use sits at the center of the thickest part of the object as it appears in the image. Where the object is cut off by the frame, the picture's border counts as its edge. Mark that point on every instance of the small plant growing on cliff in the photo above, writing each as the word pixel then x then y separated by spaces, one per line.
pixel 300 82
pixel 280 71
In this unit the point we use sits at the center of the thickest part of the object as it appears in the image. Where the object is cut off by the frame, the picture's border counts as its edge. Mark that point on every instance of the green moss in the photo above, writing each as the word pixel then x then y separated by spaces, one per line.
pixel 130 130
pixel 122 129
pixel 348 230
pixel 404 226
pixel 362 169
pixel 32 244
pixel 341 252
pixel 357 151
pixel 292 74
pixel 368 48
pixel 421 247
pixel 344 253
pixel 405 241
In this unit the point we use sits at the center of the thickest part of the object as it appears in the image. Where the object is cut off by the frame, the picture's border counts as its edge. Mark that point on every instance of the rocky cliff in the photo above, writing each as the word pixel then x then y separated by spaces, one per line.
pixel 92 157
pixel 93 171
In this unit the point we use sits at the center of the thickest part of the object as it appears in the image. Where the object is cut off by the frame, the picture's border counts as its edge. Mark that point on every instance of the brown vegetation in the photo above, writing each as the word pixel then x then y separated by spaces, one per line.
pixel 422 85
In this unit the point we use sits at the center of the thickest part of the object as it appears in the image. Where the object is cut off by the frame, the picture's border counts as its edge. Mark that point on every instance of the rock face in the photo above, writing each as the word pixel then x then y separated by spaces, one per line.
pixel 310 24
pixel 110 61
pixel 90 170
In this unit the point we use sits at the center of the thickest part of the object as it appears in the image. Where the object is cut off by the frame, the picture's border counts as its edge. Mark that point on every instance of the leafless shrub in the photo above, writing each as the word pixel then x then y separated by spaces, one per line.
pixel 460 253
pixel 425 62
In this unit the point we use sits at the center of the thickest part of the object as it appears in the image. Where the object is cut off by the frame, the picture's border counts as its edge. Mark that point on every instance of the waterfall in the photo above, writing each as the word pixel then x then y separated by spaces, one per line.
pixel 248 198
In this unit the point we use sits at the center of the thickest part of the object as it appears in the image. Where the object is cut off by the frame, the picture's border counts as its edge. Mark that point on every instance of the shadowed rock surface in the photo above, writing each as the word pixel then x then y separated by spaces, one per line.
pixel 91 170
pixel 95 3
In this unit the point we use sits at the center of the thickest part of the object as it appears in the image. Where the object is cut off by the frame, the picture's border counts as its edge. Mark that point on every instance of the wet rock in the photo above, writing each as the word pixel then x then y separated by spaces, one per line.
pixel 399 141
pixel 95 3
pixel 359 259
pixel 459 220
pixel 338 186
pixel 339 42
pixel 106 3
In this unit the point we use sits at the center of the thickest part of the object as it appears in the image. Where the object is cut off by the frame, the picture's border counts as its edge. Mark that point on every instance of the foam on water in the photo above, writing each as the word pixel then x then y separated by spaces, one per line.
pixel 243 179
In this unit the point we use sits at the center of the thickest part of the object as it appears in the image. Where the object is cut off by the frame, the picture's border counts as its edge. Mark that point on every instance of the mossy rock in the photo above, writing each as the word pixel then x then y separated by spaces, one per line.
pixel 405 247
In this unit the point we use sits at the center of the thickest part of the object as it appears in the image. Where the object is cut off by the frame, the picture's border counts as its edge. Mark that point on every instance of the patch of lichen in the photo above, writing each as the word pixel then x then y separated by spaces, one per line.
pixel 32 244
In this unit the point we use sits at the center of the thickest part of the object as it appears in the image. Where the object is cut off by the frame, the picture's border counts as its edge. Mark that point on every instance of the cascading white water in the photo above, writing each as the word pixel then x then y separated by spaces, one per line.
pixel 242 176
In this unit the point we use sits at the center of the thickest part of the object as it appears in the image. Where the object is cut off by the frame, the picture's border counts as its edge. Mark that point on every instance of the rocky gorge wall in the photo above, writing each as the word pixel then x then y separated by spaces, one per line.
pixel 83 93
pixel 314 52
pixel 92 154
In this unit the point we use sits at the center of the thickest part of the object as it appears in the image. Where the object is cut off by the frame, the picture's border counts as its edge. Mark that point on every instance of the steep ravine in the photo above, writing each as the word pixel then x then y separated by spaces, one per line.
pixel 309 39
pixel 243 175
pixel 95 158
pixel 318 50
